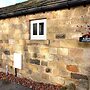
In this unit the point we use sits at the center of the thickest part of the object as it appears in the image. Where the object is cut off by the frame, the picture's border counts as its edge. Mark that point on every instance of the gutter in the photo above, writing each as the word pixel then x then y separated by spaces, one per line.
pixel 62 5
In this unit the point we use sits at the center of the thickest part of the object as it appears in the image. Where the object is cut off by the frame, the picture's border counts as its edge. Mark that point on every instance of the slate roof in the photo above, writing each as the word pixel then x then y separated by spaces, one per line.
pixel 36 6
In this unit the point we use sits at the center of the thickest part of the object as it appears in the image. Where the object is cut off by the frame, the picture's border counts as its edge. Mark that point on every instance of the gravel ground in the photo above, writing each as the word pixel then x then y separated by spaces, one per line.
pixel 11 86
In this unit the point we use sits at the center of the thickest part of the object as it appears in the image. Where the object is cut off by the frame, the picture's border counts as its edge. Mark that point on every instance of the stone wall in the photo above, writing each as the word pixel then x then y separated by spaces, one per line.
pixel 61 59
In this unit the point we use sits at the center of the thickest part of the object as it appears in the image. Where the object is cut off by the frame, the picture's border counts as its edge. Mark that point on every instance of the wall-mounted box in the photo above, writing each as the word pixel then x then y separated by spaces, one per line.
pixel 18 60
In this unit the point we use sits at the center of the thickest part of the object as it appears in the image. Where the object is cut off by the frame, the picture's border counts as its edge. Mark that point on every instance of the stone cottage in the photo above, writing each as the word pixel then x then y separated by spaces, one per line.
pixel 42 39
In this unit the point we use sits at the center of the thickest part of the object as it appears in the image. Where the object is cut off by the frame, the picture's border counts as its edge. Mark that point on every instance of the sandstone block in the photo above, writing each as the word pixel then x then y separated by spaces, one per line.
pixel 18 34
pixel 53 50
pixel 83 45
pixel 21 42
pixel 44 50
pixel 84 68
pixel 52 22
pixel 1 36
pixel 57 80
pixel 63 71
pixel 36 77
pixel 18 48
pixel 50 35
pixel 30 71
pixel 86 54
pixel 40 55
pixel 76 52
pixel 10 63
pixel 45 76
pixel 4 56
pixel 51 57
pixel 44 63
pixel 80 11
pixel 35 55
pixel 68 43
pixel 26 36
pixel 5 36
pixel 73 35
pixel 63 51
pixel 11 57
pixel 35 61
pixel 60 36
pixel 55 72
pixel 30 49
pixel 88 11
pixel 55 43
pixel 72 68
pixel 78 76
pixel 58 69
pixel 78 20
pixel 32 67
pixel 52 64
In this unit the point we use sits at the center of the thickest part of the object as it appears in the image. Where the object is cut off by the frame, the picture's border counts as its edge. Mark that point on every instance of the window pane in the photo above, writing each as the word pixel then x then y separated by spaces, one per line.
pixel 41 28
pixel 35 29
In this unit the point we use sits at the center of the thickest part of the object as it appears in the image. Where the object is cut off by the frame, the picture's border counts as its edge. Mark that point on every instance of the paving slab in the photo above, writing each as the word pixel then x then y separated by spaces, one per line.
pixel 11 86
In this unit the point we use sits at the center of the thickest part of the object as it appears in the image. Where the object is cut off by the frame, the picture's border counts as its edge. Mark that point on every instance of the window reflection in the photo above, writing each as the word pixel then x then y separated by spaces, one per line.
pixel 35 29
pixel 41 28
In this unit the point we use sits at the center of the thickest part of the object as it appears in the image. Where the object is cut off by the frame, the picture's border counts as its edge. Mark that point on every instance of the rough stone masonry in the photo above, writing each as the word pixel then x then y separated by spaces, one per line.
pixel 61 59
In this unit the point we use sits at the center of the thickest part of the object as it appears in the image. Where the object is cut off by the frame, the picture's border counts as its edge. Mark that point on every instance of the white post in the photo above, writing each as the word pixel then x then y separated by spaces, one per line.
pixel 6 69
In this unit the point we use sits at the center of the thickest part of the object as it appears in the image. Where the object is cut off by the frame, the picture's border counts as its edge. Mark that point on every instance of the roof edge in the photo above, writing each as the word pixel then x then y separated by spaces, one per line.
pixel 64 4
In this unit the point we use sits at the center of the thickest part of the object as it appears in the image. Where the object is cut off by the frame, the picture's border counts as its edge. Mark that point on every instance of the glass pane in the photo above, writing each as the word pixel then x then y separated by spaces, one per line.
pixel 41 28
pixel 35 29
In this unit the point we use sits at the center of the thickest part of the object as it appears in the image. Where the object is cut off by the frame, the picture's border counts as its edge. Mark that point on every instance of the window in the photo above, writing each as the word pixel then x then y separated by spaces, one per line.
pixel 38 29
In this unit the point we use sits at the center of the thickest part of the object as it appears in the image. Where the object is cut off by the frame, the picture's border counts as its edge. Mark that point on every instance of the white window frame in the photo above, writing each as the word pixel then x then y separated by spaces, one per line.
pixel 38 37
